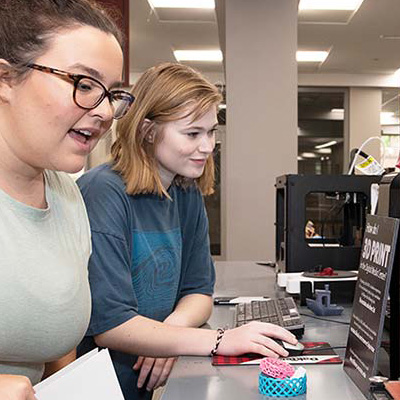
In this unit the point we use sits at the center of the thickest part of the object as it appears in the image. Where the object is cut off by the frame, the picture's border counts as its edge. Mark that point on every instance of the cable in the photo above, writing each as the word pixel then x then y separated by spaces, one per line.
pixel 359 151
pixel 325 319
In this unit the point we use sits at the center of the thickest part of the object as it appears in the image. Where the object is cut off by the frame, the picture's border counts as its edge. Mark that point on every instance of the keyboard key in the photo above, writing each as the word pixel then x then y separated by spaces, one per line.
pixel 282 311
pixel 256 309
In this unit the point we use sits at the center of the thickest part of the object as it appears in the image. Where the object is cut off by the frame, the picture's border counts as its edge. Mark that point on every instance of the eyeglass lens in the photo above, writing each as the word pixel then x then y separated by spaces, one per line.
pixel 89 94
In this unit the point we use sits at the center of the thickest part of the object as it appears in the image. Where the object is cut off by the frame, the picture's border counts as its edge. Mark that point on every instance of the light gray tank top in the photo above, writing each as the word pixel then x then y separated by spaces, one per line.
pixel 44 290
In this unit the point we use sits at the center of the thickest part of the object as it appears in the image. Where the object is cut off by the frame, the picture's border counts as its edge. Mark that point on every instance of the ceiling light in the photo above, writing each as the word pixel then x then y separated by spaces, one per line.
pixel 329 4
pixel 311 56
pixel 198 55
pixel 389 37
pixel 328 144
pixel 324 151
pixel 388 118
pixel 208 4
pixel 222 106
pixel 308 155
pixel 337 110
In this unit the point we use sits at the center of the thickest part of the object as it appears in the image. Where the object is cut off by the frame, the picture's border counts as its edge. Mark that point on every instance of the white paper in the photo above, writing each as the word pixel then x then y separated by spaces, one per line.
pixel 247 299
pixel 90 377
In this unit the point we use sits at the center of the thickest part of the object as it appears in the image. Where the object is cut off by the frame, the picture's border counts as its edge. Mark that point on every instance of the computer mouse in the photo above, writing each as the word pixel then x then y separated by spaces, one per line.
pixel 292 349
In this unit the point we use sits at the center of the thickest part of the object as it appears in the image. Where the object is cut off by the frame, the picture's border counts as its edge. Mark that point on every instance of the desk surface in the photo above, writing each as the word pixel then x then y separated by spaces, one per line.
pixel 195 378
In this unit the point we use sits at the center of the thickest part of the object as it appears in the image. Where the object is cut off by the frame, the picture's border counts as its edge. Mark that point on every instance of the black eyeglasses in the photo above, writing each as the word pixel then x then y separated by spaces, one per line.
pixel 89 92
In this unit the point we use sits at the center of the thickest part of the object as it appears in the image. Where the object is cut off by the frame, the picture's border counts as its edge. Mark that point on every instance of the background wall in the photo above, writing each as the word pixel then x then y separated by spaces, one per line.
pixel 261 139
pixel 364 119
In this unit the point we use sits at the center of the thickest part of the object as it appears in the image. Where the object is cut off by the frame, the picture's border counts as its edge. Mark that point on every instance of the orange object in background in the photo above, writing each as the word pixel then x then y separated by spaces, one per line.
pixel 393 387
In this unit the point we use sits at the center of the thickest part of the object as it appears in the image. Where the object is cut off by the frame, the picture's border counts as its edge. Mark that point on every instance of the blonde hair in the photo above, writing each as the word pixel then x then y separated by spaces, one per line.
pixel 163 93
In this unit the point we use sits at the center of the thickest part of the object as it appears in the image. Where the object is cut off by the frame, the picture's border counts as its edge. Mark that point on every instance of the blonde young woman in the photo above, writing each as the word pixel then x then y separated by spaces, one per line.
pixel 151 272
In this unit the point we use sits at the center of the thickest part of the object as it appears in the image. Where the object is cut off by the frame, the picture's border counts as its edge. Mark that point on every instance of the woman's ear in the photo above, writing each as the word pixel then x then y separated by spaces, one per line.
pixel 6 80
pixel 148 130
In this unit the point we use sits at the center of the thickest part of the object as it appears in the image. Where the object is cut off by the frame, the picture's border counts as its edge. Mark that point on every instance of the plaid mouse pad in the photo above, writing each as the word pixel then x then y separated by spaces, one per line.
pixel 313 353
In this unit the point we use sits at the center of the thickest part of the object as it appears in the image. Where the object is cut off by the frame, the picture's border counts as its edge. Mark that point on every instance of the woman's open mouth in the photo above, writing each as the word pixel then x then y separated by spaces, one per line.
pixel 81 135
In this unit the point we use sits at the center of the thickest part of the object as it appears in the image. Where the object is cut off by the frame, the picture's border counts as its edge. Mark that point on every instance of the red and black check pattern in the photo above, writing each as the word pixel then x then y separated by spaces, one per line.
pixel 310 356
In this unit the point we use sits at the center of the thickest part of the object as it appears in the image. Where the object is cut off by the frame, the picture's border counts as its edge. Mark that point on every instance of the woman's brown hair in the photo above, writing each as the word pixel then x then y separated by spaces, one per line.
pixel 26 26
pixel 164 93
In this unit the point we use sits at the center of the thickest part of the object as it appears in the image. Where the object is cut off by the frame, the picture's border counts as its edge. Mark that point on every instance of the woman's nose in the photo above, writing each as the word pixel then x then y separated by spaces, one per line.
pixel 104 110
pixel 207 144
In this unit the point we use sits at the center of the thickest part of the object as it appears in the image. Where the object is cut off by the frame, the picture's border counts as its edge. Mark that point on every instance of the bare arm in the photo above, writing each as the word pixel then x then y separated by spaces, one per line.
pixel 147 337
pixel 54 366
pixel 16 387
pixel 192 310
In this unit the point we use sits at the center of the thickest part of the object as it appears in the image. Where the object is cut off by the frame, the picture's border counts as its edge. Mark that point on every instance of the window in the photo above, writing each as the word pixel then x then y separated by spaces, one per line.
pixel 321 130
pixel 390 127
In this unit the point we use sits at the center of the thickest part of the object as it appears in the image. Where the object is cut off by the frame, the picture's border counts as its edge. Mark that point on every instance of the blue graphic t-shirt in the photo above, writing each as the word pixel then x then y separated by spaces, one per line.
pixel 156 260
pixel 148 253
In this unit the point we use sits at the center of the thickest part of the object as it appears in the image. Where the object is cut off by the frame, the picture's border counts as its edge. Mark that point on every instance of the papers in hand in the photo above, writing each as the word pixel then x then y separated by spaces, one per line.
pixel 90 377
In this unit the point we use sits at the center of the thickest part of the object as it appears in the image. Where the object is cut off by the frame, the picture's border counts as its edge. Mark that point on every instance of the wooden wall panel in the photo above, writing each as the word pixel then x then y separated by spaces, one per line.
pixel 121 10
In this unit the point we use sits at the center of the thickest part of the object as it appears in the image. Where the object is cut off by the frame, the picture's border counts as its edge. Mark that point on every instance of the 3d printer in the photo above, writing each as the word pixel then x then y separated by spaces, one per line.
pixel 320 220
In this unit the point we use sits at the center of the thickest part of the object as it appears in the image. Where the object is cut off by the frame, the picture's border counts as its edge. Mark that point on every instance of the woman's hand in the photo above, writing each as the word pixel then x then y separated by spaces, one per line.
pixel 16 387
pixel 255 337
pixel 191 311
pixel 157 369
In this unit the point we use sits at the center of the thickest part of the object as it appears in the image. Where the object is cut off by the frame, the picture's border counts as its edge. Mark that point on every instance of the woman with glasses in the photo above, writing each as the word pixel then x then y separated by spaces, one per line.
pixel 151 271
pixel 60 72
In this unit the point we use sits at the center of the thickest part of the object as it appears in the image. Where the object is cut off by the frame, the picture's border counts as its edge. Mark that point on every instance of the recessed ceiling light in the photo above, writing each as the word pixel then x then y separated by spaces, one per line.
pixel 311 56
pixel 387 114
pixel 324 151
pixel 329 4
pixel 198 55
pixel 390 37
pixel 308 155
pixel 328 144
pixel 388 118
pixel 208 4
pixel 337 110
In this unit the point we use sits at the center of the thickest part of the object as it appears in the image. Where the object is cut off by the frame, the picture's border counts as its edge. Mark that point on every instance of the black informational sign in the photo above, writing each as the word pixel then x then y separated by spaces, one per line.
pixel 370 298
